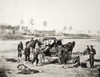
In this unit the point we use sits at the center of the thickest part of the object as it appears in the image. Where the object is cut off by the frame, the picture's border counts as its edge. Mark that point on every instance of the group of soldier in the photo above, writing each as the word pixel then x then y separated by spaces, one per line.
pixel 32 45
pixel 62 50
pixel 92 52
pixel 36 46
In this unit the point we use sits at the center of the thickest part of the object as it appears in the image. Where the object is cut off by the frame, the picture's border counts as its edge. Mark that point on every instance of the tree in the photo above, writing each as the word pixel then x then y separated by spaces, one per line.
pixel 21 22
pixel 31 21
pixel 64 29
pixel 45 24
pixel 70 28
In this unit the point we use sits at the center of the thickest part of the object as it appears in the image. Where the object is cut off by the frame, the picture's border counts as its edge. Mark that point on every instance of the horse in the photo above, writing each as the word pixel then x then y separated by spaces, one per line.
pixel 67 51
pixel 70 46
pixel 63 51
pixel 43 53
pixel 66 54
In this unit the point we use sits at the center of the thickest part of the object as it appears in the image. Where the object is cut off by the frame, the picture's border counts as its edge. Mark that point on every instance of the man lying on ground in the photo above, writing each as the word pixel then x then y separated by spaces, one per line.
pixel 23 69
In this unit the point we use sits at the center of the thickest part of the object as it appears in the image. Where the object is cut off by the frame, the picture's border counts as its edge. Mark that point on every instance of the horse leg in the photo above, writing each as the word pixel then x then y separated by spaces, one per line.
pixel 37 60
pixel 43 57
pixel 65 60
pixel 59 60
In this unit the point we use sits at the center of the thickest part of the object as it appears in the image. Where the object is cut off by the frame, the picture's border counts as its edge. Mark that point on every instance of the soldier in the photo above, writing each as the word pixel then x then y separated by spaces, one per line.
pixel 27 53
pixel 32 45
pixel 60 54
pixel 87 51
pixel 54 43
pixel 92 53
pixel 20 48
pixel 36 53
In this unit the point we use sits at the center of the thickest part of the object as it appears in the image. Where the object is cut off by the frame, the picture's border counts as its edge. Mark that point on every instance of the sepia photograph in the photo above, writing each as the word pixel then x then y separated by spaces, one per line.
pixel 49 38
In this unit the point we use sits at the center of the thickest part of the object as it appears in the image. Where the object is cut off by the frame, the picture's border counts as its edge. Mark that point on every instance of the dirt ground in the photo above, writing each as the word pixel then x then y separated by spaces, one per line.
pixel 52 70
pixel 48 70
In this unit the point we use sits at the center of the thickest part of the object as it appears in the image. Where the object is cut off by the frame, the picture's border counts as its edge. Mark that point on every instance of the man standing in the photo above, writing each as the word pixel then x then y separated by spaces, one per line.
pixel 27 53
pixel 36 53
pixel 87 51
pixel 32 45
pixel 20 48
pixel 92 53
pixel 60 54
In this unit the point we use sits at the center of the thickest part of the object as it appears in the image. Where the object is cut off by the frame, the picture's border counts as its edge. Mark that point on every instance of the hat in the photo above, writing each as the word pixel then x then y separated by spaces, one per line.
pixel 91 45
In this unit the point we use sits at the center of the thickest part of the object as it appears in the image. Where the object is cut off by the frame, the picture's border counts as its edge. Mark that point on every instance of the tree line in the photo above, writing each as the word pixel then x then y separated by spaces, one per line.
pixel 9 27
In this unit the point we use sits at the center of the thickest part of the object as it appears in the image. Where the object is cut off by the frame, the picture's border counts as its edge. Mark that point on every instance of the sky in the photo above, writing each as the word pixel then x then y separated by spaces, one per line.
pixel 82 15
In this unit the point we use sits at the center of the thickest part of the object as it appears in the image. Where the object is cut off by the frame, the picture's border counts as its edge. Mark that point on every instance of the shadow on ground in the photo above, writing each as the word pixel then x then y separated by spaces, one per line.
pixel 96 60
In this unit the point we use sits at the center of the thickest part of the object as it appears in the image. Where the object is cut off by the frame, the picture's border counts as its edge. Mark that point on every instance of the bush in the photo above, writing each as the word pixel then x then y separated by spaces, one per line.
pixel 13 37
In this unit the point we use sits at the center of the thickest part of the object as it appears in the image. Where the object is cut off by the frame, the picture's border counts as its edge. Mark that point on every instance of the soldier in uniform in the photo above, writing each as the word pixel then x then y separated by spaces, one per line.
pixel 20 48
pixel 92 53
pixel 36 53
pixel 60 54
pixel 87 51
pixel 27 53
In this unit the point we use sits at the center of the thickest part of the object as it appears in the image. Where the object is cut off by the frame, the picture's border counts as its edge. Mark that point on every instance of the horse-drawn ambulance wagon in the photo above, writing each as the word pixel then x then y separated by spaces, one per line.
pixel 52 47
pixel 50 42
